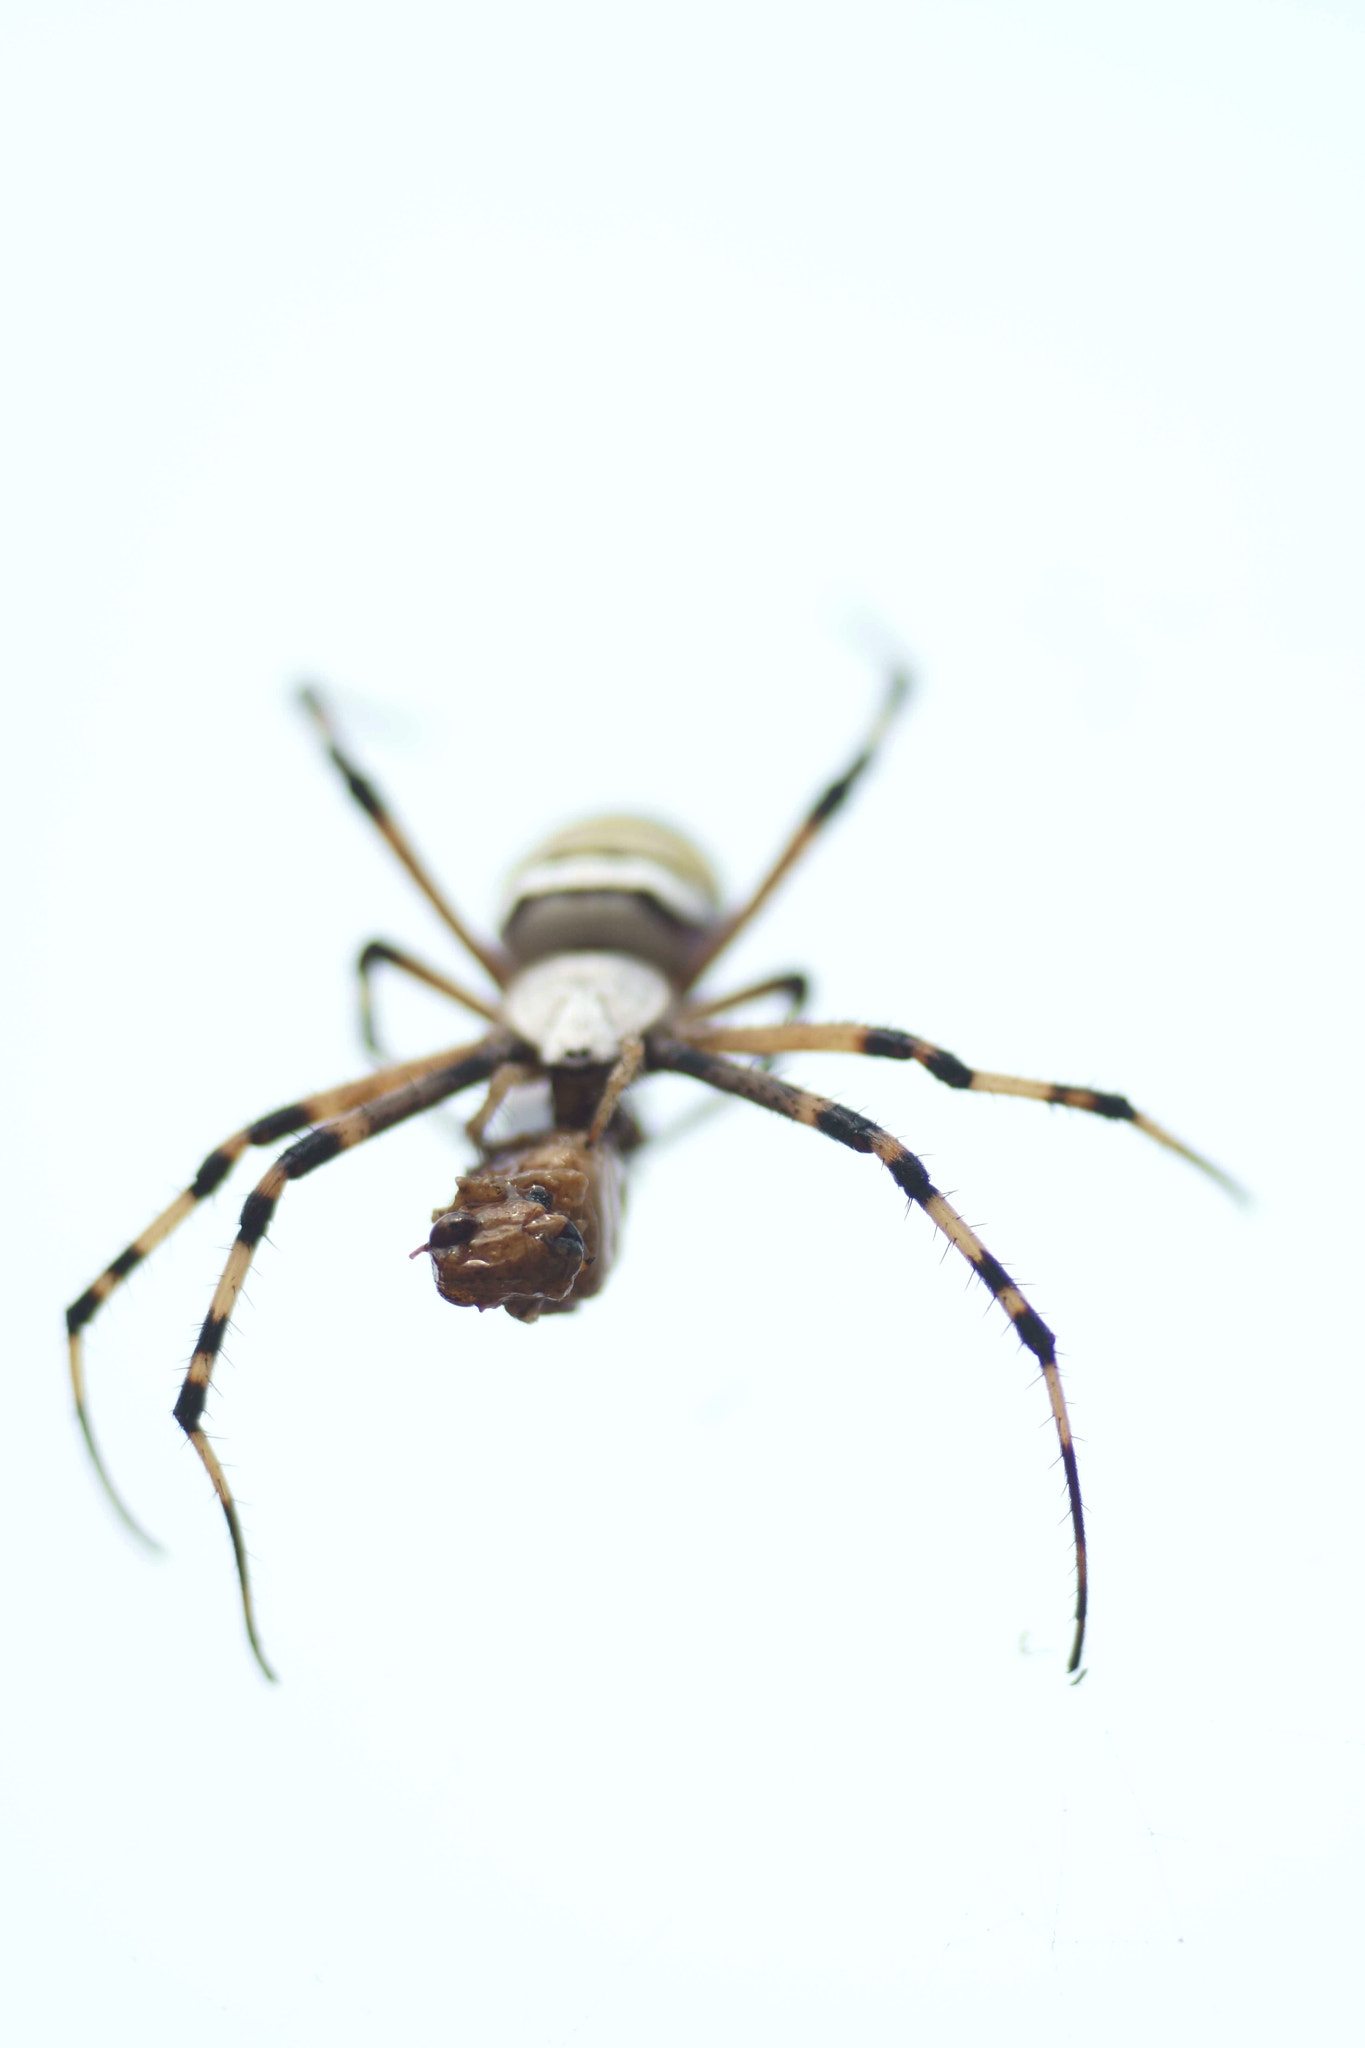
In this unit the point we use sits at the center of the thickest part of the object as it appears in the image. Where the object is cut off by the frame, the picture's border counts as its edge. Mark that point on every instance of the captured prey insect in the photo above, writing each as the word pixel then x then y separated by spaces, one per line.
pixel 609 928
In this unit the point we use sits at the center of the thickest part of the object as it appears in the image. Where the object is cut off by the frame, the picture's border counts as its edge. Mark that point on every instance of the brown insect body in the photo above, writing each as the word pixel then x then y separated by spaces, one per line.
pixel 533 1229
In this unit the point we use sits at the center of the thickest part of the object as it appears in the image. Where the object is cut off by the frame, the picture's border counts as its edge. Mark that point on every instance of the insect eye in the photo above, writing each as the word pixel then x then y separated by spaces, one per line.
pixel 536 1193
pixel 452 1230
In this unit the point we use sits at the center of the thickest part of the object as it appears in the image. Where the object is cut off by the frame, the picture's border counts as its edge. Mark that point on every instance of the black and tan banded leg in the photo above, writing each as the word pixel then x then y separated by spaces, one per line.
pixel 912 1178
pixel 379 953
pixel 321 1145
pixel 897 690
pixel 490 957
pixel 948 1068
pixel 267 1130
pixel 795 987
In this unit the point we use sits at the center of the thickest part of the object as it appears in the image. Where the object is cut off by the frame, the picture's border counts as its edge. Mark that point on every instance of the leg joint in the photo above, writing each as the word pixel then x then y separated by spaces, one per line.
pixel 257 1211
pixel 189 1406
pixel 847 1126
pixel 279 1123
pixel 80 1312
pixel 212 1173
pixel 311 1152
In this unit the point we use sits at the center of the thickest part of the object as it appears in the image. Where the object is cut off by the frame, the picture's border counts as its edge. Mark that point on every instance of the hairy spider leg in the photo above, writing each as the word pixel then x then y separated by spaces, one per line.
pixel 380 953
pixel 322 1144
pixel 729 926
pixel 912 1178
pixel 490 957
pixel 946 1067
pixel 795 987
pixel 267 1130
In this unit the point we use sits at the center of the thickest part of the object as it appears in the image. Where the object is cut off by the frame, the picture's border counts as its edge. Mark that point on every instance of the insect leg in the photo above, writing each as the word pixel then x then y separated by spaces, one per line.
pixel 911 1177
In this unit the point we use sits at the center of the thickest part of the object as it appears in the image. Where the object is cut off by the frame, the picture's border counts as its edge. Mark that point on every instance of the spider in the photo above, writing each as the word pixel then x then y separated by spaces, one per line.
pixel 608 928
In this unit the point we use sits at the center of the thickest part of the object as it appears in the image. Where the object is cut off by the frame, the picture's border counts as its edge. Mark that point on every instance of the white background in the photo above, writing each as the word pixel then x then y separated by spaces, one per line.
pixel 588 394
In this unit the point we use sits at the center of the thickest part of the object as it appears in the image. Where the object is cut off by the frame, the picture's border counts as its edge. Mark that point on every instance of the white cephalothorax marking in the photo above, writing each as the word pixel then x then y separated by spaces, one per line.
pixel 576 1008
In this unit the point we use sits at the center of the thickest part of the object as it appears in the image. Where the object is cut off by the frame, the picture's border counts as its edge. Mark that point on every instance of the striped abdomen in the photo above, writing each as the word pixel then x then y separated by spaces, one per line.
pixel 612 885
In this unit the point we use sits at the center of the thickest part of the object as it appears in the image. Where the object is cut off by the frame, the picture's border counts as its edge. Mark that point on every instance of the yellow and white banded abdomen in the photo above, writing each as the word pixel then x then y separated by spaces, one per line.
pixel 617 885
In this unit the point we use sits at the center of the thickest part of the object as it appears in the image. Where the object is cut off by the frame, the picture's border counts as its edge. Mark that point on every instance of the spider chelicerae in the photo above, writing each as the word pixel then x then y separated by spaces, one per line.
pixel 609 928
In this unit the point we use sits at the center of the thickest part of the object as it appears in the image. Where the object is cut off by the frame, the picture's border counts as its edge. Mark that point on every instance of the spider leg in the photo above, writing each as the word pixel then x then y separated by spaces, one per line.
pixel 948 1068
pixel 794 987
pixel 897 689
pixel 267 1130
pixel 629 1061
pixel 507 1077
pixel 492 958
pixel 380 953
pixel 325 1142
pixel 912 1178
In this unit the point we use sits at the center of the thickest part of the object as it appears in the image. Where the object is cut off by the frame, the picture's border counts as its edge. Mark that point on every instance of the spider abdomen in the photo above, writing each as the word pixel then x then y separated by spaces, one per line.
pixel 620 885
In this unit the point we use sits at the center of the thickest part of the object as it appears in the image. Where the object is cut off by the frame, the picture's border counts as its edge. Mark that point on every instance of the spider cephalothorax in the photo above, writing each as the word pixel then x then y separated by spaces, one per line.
pixel 607 929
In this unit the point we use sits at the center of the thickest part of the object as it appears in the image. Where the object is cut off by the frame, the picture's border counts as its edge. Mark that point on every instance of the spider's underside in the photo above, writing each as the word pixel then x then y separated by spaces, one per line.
pixel 608 927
